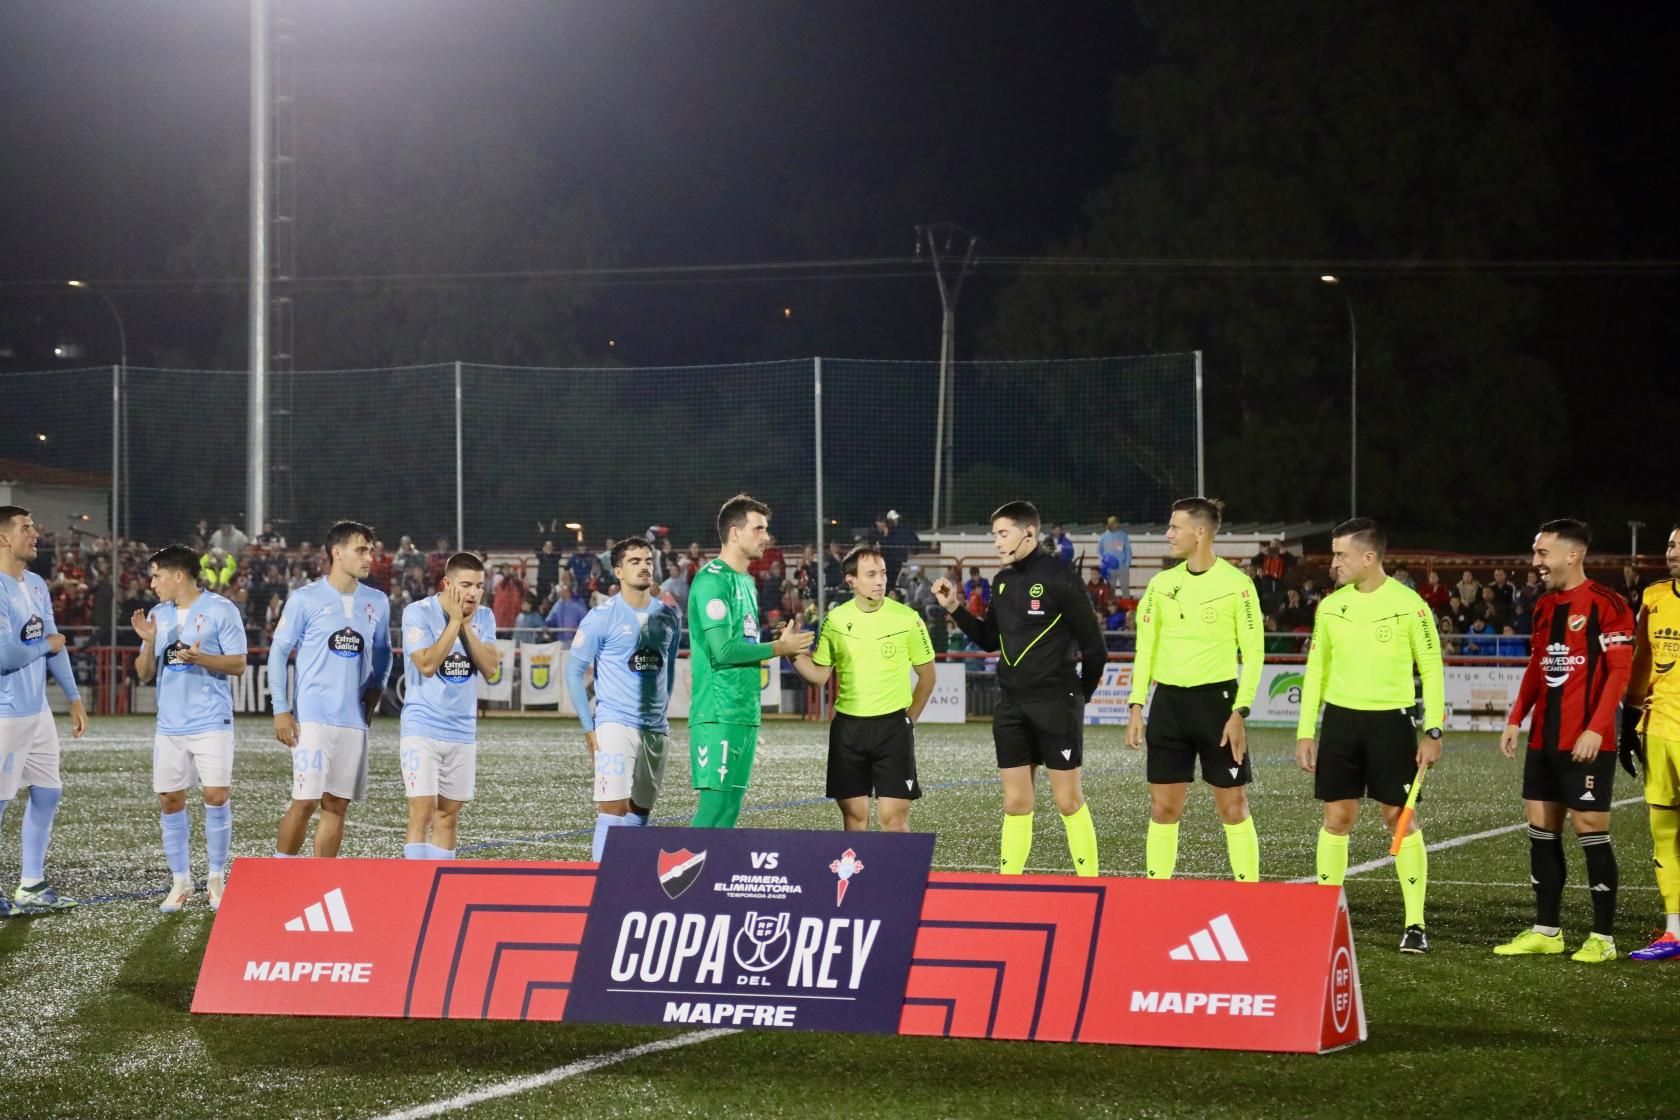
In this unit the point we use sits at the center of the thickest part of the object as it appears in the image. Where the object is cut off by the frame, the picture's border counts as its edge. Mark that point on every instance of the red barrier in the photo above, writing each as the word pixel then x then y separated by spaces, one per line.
pixel 1185 963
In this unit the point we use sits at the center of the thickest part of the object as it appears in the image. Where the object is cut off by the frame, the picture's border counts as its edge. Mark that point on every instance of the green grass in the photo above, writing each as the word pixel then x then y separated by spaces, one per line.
pixel 97 1022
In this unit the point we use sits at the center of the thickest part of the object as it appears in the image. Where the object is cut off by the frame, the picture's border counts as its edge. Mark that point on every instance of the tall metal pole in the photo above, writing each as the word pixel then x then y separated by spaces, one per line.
pixel 116 537
pixel 256 416
pixel 1201 437
pixel 939 240
pixel 460 486
pixel 822 523
pixel 1353 408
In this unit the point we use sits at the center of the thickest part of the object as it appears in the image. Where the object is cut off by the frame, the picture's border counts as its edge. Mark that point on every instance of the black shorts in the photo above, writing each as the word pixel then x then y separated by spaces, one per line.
pixel 1185 725
pixel 1366 754
pixel 1550 775
pixel 1049 732
pixel 872 754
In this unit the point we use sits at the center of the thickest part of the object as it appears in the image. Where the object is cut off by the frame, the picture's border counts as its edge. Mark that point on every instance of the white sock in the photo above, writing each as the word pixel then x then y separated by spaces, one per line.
pixel 1606 938
pixel 1549 931
pixel 1674 924
pixel 27 882
pixel 183 880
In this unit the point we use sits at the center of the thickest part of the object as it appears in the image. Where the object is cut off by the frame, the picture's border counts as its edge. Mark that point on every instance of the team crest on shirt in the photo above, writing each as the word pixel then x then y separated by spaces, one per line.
pixel 1577 622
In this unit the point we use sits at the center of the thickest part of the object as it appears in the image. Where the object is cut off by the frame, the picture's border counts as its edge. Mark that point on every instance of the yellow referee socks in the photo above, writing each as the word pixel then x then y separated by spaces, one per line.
pixel 1412 865
pixel 1242 844
pixel 1665 855
pixel 1017 844
pixel 1332 858
pixel 1160 850
pixel 1082 840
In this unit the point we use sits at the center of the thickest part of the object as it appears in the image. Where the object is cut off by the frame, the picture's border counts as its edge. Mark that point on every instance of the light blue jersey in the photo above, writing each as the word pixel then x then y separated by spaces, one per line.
pixel 444 705
pixel 634 655
pixel 190 699
pixel 26 622
pixel 343 645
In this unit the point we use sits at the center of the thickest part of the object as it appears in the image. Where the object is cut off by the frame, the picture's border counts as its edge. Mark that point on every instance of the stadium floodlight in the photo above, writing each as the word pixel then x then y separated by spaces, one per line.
pixel 1329 279
pixel 40 437
pixel 576 527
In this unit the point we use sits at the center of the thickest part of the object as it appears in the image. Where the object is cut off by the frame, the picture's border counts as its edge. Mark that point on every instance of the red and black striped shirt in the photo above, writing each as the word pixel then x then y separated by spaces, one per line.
pixel 1578 668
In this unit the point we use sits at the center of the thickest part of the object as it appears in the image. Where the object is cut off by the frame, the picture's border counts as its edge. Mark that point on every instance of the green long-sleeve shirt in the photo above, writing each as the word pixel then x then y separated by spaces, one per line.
pixel 1192 627
pixel 1364 645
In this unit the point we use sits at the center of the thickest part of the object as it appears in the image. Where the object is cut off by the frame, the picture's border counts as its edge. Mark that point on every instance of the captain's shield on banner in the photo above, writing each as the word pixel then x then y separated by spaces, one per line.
pixel 752 928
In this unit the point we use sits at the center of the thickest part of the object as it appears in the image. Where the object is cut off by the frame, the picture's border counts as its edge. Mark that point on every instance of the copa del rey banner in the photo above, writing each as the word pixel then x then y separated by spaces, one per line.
pixel 706 933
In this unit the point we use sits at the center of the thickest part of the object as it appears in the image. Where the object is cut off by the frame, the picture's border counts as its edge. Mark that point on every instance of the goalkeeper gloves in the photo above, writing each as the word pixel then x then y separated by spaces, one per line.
pixel 1632 744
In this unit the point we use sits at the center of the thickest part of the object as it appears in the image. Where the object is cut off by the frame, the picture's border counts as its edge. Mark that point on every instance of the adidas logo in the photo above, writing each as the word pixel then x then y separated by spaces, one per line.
pixel 330 915
pixel 1605 887
pixel 1218 942
pixel 1588 796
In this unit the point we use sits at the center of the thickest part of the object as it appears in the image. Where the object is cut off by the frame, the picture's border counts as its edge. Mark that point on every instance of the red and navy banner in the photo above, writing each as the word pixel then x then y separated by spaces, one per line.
pixel 1220 965
pixel 750 927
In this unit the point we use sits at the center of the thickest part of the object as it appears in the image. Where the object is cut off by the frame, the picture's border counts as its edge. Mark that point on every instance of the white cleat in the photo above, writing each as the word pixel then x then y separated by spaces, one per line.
pixel 216 884
pixel 177 900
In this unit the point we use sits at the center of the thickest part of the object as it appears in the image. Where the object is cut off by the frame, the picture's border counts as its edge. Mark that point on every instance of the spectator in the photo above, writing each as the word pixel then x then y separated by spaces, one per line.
pixel 939 629
pixel 696 556
pixel 566 614
pixel 1295 615
pixel 1633 588
pixel 1469 591
pixel 582 565
pixel 435 562
pixel 1310 594
pixel 268 540
pixel 528 627
pixel 1509 644
pixel 548 569
pixel 1459 613
pixel 901 541
pixel 230 540
pixel 1481 641
pixel 201 536
pixel 271 615
pixel 771 581
pixel 1491 610
pixel 1503 589
pixel 805 575
pixel 918 589
pixel 1529 593
pixel 1271 568
pixel 216 569
pixel 674 591
pixel 510 593
pixel 833 572
pixel 1060 545
pixel 1448 630
pixel 1403 575
pixel 1114 551
pixel 410 559
pixel 1102 595
pixel 1434 592
pixel 380 568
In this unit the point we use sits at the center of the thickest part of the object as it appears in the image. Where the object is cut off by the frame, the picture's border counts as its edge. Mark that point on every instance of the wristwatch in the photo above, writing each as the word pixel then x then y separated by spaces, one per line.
pixel 1434 733
pixel 1242 711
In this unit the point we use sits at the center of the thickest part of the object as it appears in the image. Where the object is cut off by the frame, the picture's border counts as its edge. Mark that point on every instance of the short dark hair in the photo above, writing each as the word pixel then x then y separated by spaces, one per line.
pixel 1022 513
pixel 176 558
pixel 1366 533
pixel 1569 529
pixel 342 532
pixel 1210 511
pixel 849 566
pixel 734 513
pixel 9 513
pixel 623 547
pixel 463 562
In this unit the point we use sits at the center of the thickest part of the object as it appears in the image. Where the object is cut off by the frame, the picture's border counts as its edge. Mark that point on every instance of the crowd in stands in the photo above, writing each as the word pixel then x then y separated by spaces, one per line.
pixel 544 595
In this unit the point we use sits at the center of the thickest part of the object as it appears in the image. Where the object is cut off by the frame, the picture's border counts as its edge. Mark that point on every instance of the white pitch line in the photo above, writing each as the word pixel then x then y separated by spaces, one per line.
pixel 1451 842
pixel 559 1073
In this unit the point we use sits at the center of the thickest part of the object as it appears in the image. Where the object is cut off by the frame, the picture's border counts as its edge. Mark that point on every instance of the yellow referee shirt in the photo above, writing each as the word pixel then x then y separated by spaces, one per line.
pixel 872 653
pixel 1364 645
pixel 1192 627
pixel 1656 663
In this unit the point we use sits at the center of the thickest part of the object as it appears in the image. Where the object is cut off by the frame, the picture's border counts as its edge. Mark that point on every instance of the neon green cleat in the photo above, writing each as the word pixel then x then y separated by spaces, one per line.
pixel 1531 942
pixel 40 899
pixel 1596 949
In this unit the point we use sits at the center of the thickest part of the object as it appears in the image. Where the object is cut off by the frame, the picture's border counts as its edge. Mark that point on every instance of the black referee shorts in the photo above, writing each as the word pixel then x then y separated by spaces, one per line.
pixel 1366 754
pixel 1185 726
pixel 872 755
pixel 1048 732
pixel 1551 775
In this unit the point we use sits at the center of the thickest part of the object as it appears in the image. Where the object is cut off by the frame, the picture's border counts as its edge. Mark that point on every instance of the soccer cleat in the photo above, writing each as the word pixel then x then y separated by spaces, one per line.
pixel 7 910
pixel 215 885
pixel 1664 948
pixel 1594 950
pixel 1531 942
pixel 1414 940
pixel 177 898
pixel 40 898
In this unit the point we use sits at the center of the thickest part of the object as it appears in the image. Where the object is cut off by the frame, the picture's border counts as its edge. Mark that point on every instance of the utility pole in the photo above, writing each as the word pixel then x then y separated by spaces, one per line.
pixel 951 265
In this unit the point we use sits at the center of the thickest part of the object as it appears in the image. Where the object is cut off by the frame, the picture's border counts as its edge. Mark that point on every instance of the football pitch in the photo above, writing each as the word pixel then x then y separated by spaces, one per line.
pixel 96 1020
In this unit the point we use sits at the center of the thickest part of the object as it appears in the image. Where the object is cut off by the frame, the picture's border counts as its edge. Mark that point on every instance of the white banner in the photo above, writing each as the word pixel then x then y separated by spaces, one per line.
pixel 1277 702
pixel 949 702
pixel 1109 703
pixel 1480 696
pixel 500 686
pixel 542 674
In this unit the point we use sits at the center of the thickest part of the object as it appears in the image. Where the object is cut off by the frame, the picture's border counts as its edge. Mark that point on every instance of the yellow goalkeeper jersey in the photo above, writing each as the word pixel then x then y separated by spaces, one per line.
pixel 1656 665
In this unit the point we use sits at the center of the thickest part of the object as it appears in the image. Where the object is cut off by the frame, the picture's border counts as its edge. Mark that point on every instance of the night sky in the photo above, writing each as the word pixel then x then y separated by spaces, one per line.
pixel 707 133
